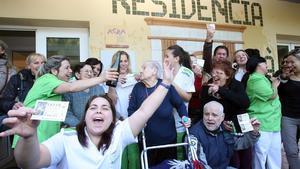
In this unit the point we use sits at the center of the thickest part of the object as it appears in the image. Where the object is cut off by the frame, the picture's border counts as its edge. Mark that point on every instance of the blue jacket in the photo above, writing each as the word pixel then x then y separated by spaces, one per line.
pixel 160 128
pixel 215 149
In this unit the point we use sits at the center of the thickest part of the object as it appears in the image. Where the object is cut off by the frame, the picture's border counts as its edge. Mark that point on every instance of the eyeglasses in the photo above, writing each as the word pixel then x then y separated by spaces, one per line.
pixel 87 71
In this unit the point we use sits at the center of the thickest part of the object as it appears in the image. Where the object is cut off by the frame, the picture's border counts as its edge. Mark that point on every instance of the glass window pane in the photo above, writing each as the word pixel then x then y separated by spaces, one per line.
pixel 282 50
pixel 64 46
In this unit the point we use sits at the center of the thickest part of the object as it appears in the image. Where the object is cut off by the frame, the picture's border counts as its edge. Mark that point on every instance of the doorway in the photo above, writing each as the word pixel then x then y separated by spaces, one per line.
pixel 20 45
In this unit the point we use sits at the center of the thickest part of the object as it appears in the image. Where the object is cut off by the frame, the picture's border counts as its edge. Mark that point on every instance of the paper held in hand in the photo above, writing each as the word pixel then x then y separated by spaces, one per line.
pixel 245 122
pixel 130 81
pixel 184 78
pixel 50 110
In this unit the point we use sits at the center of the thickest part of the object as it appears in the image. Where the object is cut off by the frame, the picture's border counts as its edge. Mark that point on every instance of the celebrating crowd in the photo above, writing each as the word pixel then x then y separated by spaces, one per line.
pixel 103 124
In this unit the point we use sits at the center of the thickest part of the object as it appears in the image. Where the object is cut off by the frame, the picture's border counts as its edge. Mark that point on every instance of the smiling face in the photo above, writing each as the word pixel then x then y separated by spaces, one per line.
pixel 96 70
pixel 86 72
pixel 99 116
pixel 169 57
pixel 64 72
pixel 241 58
pixel 35 64
pixel 294 62
pixel 124 64
pixel 221 54
pixel 219 77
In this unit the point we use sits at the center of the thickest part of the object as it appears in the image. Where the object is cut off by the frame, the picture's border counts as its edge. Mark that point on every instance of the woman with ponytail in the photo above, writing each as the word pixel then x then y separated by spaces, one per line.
pixel 181 61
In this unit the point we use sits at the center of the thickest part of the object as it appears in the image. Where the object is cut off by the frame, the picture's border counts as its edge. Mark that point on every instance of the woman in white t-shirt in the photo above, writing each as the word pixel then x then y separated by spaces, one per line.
pixel 98 141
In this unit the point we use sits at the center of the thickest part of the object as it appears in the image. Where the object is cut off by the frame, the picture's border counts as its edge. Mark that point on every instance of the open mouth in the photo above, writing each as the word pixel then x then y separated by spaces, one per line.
pixel 216 79
pixel 98 119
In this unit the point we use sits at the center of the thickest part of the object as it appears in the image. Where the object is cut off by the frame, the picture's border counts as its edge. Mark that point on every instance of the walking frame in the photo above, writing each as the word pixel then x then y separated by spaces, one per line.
pixel 144 157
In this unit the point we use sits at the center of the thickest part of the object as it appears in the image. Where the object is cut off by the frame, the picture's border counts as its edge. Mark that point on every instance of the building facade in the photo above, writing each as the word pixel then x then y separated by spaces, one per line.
pixel 145 28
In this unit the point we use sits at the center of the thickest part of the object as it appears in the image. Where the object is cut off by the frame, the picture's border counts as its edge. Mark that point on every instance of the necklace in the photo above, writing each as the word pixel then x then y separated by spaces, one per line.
pixel 151 89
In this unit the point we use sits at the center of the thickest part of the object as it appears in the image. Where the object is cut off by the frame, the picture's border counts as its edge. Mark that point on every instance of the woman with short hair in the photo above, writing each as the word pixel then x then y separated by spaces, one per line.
pixel 19 85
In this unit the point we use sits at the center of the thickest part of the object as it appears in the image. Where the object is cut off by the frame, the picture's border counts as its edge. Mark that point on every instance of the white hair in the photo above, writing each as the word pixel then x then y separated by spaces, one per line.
pixel 157 66
pixel 214 104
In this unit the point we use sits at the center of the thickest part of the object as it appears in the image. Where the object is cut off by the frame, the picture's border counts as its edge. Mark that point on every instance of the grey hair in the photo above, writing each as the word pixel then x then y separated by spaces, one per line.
pixel 215 104
pixel 157 66
pixel 53 62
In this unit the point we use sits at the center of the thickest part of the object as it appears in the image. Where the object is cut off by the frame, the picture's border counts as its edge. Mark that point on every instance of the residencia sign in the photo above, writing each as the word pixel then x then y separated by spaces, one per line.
pixel 251 13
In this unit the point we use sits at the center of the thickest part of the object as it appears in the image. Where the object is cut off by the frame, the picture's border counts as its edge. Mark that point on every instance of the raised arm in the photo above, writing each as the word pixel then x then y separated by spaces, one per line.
pixel 80 85
pixel 28 152
pixel 139 118
pixel 207 50
pixel 186 96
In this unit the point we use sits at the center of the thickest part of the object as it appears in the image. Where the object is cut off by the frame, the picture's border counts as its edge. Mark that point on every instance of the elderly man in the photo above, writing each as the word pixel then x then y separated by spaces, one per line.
pixel 213 145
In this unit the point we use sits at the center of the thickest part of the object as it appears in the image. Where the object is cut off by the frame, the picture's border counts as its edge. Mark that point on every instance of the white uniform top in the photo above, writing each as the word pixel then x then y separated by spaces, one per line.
pixel 187 84
pixel 122 104
pixel 239 74
pixel 67 153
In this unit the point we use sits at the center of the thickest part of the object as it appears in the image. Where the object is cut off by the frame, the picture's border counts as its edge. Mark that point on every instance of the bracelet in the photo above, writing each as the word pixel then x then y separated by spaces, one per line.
pixel 165 85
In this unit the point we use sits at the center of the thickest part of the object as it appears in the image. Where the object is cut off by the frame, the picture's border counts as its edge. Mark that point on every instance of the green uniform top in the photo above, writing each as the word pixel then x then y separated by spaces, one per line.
pixel 262 106
pixel 42 89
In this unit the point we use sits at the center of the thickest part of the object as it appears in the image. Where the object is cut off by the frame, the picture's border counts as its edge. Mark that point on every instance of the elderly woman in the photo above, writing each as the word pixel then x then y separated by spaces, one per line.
pixel 98 141
pixel 19 85
pixel 82 71
pixel 160 129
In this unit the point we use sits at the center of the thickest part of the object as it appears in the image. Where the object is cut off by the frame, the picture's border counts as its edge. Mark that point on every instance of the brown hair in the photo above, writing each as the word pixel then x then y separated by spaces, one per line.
pixel 184 56
pixel 226 67
pixel 106 138
pixel 120 53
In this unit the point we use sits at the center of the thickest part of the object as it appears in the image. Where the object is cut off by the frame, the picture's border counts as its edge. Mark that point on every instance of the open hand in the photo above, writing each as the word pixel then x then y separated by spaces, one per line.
pixel 20 123
pixel 168 72
pixel 210 32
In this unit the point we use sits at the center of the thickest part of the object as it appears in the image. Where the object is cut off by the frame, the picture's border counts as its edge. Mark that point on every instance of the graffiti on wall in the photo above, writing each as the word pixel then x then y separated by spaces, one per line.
pixel 251 11
pixel 116 36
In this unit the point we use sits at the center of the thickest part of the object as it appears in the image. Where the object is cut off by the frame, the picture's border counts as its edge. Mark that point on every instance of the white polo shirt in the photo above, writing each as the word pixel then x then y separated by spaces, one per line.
pixel 66 151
